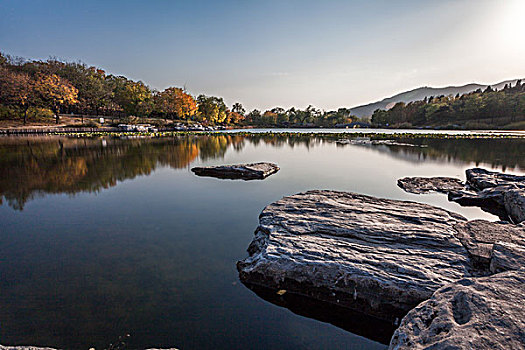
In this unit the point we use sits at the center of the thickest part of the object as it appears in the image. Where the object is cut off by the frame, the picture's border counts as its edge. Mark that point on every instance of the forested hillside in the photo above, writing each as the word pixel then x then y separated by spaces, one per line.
pixel 420 93
pixel 489 108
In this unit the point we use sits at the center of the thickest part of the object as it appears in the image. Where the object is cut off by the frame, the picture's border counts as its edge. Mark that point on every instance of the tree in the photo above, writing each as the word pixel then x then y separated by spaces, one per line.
pixel 175 103
pixel 269 118
pixel 134 97
pixel 238 108
pixel 254 117
pixel 16 89
pixel 234 118
pixel 211 109
pixel 55 92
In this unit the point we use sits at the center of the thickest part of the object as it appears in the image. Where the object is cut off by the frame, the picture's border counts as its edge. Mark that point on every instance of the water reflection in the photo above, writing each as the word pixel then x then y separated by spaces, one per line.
pixel 155 257
pixel 36 166
pixel 350 320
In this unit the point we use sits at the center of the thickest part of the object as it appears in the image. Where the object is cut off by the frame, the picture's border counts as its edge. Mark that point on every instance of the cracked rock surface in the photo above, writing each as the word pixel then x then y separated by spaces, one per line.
pixel 472 313
pixel 480 236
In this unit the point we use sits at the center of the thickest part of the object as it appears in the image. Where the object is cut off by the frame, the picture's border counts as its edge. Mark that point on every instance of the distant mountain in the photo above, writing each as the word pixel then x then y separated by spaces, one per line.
pixel 419 94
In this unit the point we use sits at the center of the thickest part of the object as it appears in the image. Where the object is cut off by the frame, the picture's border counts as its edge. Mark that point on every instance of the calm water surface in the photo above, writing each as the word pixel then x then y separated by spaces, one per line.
pixel 104 237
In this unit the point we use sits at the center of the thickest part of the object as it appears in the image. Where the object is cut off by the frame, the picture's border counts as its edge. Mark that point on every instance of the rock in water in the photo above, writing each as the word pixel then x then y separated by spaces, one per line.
pixel 497 193
pixel 254 171
pixel 472 313
pixel 420 185
pixel 480 178
pixel 380 256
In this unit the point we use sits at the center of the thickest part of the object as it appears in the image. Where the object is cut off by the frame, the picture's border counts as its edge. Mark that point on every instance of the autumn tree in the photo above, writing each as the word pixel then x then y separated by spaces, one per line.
pixel 175 103
pixel 55 92
pixel 16 89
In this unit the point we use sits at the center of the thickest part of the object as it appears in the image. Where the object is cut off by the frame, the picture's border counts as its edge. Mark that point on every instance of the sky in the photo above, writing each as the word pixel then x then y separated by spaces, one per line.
pixel 284 53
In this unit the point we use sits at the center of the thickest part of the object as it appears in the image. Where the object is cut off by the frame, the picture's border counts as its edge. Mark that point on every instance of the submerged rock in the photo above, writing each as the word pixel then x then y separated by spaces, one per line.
pixel 420 185
pixel 379 256
pixel 472 313
pixel 251 171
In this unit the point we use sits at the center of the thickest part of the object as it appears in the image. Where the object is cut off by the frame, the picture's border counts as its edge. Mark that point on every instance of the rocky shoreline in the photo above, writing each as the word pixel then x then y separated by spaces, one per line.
pixel 443 275
pixel 497 193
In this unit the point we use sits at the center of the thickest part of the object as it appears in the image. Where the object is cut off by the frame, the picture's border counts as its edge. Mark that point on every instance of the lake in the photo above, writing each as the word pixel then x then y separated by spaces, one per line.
pixel 104 237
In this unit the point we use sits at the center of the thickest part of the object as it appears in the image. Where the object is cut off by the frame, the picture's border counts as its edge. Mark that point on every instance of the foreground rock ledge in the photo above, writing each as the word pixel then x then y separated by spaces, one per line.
pixel 472 313
pixel 380 256
pixel 251 171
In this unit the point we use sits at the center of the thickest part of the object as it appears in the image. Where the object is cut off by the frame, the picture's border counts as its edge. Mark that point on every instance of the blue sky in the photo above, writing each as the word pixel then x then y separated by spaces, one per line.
pixel 278 53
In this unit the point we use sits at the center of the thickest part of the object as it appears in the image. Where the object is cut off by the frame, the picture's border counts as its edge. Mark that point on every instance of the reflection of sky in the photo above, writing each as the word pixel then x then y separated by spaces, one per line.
pixel 278 53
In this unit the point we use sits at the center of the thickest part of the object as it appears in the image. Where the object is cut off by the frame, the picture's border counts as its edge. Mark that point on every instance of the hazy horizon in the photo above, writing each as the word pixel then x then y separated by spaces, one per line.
pixel 293 53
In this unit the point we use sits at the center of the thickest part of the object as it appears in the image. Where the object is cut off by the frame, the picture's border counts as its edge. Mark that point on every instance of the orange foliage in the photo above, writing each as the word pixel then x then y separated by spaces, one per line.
pixel 176 103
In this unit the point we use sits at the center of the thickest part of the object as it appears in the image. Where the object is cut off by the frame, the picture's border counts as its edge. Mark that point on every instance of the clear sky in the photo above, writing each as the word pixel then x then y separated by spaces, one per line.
pixel 278 53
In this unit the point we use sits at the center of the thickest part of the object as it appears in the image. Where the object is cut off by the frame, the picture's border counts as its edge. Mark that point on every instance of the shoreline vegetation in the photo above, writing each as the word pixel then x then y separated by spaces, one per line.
pixel 72 94
pixel 341 136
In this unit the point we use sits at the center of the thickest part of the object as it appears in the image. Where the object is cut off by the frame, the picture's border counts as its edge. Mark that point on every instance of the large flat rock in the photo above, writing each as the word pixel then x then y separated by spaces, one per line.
pixel 472 313
pixel 380 256
pixel 253 171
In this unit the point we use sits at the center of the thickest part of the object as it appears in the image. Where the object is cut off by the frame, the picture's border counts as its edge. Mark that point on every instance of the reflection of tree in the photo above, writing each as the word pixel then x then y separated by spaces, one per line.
pixel 33 166
pixel 503 153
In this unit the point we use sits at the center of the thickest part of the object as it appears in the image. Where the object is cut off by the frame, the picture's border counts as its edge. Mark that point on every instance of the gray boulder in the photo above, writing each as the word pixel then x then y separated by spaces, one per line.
pixel 420 185
pixel 472 313
pixel 481 178
pixel 514 202
pixel 379 256
pixel 479 237
pixel 497 193
pixel 507 256
pixel 253 171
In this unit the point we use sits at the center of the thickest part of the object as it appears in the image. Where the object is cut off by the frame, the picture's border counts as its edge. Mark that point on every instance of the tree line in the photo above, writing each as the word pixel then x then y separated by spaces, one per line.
pixel 476 110
pixel 54 87
pixel 31 88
